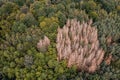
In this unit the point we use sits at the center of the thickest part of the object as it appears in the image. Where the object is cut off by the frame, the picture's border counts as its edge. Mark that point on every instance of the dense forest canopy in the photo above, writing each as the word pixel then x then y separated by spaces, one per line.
pixel 24 23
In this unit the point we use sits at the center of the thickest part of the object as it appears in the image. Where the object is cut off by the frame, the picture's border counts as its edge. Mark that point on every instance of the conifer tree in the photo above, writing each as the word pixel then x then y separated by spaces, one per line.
pixel 78 44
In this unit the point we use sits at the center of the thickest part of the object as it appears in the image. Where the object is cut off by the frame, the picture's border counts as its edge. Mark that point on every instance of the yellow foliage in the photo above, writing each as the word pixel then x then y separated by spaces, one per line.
pixel 118 8
pixel 48 21
pixel 43 24
pixel 22 16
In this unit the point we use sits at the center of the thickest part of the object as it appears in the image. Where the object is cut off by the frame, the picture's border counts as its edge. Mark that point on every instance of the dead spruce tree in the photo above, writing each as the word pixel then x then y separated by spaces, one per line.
pixel 43 44
pixel 78 44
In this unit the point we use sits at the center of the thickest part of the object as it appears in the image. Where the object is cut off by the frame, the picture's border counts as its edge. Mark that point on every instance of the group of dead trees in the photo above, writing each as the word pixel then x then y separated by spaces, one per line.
pixel 78 44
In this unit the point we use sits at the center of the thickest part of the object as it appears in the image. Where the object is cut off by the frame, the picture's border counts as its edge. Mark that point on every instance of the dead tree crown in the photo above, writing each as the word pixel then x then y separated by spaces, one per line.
pixel 78 44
